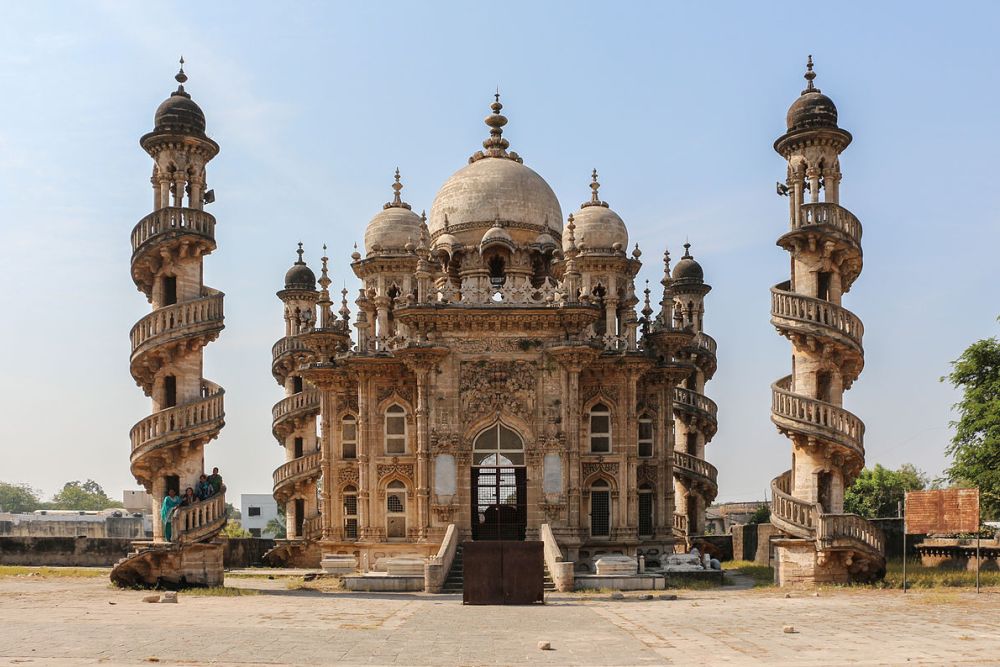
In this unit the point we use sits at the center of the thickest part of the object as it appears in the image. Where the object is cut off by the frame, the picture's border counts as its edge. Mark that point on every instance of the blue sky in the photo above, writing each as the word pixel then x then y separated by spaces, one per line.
pixel 315 104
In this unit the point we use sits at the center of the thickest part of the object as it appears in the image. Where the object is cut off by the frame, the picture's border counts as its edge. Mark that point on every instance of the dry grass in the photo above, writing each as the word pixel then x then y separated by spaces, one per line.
pixel 53 572
pixel 762 575
pixel 322 584
pixel 918 576
pixel 219 592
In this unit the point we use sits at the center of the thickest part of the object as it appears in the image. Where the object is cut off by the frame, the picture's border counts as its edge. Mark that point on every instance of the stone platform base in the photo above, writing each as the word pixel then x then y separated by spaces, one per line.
pixel 798 562
pixel 645 582
pixel 167 565
pixel 383 583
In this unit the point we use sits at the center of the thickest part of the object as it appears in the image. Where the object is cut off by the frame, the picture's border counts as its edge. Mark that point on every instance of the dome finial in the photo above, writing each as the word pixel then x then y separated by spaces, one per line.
pixel 495 145
pixel 687 250
pixel 300 251
pixel 809 76
pixel 397 200
pixel 181 77
pixel 595 199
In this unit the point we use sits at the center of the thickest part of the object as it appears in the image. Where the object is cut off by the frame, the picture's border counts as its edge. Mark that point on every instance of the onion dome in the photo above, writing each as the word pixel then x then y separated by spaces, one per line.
pixel 545 242
pixel 495 184
pixel 812 109
pixel 496 235
pixel 597 226
pixel 687 269
pixel 394 226
pixel 300 276
pixel 178 114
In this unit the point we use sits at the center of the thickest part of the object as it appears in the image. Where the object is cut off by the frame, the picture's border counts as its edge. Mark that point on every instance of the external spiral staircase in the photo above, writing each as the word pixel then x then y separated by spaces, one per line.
pixel 289 415
pixel 829 331
pixel 168 337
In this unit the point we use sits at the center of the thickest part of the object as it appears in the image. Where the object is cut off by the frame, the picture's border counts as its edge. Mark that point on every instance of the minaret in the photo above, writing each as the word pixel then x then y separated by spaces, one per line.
pixel 294 417
pixel 695 415
pixel 824 240
pixel 168 250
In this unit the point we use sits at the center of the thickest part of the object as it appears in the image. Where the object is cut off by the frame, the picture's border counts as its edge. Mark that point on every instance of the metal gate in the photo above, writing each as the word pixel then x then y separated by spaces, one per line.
pixel 502 572
pixel 499 503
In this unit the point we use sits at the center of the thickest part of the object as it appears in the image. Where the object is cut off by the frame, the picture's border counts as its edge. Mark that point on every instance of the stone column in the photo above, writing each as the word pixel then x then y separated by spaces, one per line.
pixel 423 453
pixel 159 490
pixel 364 435
pixel 571 424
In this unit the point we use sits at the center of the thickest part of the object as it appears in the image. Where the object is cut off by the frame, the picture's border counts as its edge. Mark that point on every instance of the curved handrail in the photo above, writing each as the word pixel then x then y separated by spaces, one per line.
pixel 302 466
pixel 705 342
pixel 692 400
pixel 833 527
pixel 174 425
pixel 193 523
pixel 693 464
pixel 798 516
pixel 286 345
pixel 171 219
pixel 830 215
pixel 800 308
pixel 177 320
pixel 296 403
pixel 834 423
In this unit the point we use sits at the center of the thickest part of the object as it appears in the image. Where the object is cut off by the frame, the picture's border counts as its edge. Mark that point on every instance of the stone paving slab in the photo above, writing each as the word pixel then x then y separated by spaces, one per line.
pixel 73 622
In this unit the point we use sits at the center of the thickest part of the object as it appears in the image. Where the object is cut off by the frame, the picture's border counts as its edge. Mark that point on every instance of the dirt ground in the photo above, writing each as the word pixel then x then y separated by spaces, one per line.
pixel 83 621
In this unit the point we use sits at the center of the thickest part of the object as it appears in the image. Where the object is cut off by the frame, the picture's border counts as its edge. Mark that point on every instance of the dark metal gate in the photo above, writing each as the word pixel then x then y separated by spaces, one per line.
pixel 503 572
pixel 499 503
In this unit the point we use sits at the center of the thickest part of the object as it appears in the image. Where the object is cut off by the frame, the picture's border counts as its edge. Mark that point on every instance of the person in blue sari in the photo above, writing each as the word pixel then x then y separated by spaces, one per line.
pixel 167 507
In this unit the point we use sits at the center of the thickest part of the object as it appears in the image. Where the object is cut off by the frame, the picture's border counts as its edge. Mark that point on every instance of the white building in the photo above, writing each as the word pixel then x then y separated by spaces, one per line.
pixel 257 510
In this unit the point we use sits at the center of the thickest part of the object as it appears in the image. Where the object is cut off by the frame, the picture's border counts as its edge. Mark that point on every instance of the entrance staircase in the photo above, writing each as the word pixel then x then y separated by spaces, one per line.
pixel 454 583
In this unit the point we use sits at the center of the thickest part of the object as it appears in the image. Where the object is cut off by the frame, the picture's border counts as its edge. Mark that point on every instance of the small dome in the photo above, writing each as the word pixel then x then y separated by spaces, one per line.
pixel 179 113
pixel 446 242
pixel 687 269
pixel 597 226
pixel 496 235
pixel 812 109
pixel 394 226
pixel 300 276
pixel 545 242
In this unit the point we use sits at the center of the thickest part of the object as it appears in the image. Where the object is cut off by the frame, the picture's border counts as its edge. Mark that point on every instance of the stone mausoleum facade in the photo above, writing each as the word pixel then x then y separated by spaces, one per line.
pixel 497 373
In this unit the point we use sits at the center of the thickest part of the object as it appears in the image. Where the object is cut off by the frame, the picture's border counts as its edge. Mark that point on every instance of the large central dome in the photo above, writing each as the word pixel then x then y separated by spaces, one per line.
pixel 495 186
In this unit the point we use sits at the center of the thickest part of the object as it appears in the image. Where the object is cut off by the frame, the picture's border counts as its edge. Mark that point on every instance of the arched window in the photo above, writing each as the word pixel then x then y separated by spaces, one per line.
pixel 645 511
pixel 351 513
pixel 395 510
pixel 645 436
pixel 349 437
pixel 395 430
pixel 600 429
pixel 600 509
pixel 601 325
pixel 498 446
pixel 297 384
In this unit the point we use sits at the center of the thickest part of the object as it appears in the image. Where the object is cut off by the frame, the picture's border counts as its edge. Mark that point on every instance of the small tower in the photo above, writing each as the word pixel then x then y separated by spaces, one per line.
pixel 824 239
pixel 168 249
pixel 695 415
pixel 294 417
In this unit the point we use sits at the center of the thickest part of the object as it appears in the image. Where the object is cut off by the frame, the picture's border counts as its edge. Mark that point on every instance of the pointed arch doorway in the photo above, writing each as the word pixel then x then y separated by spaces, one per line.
pixel 499 485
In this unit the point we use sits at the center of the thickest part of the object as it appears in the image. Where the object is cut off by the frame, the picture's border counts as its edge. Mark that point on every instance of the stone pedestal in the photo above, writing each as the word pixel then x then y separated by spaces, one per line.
pixel 335 564
pixel 617 566
pixel 798 562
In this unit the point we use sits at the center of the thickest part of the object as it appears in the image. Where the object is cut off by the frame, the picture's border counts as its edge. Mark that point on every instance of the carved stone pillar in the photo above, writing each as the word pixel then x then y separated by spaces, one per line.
pixel 423 453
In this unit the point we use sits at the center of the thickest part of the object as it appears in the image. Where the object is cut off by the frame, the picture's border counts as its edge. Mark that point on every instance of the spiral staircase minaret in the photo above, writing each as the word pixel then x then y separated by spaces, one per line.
pixel 168 247
pixel 822 544
pixel 695 415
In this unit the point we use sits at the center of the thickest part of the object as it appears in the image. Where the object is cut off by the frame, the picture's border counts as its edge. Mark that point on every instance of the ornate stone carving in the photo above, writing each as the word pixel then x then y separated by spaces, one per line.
pixel 402 390
pixel 345 475
pixel 384 470
pixel 491 344
pixel 609 392
pixel 646 472
pixel 589 468
pixel 445 442
pixel 444 513
pixel 491 386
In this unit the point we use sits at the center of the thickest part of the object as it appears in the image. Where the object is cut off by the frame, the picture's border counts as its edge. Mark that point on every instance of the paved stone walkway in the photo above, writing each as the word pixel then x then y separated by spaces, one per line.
pixel 84 622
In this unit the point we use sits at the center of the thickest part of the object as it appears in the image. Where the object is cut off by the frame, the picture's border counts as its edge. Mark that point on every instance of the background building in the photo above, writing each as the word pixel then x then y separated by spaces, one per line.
pixel 257 510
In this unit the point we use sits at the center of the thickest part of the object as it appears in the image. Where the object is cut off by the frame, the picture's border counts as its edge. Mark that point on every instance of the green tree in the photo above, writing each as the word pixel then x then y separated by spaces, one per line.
pixel 276 527
pixel 235 529
pixel 760 515
pixel 18 498
pixel 975 449
pixel 232 513
pixel 82 496
pixel 876 492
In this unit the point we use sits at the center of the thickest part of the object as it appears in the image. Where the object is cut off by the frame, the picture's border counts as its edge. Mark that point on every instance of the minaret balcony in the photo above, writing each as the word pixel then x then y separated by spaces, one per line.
pixel 699 407
pixel 172 220
pixel 793 313
pixel 699 471
pixel 288 474
pixel 816 420
pixel 286 355
pixel 289 412
pixel 199 420
pixel 829 216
